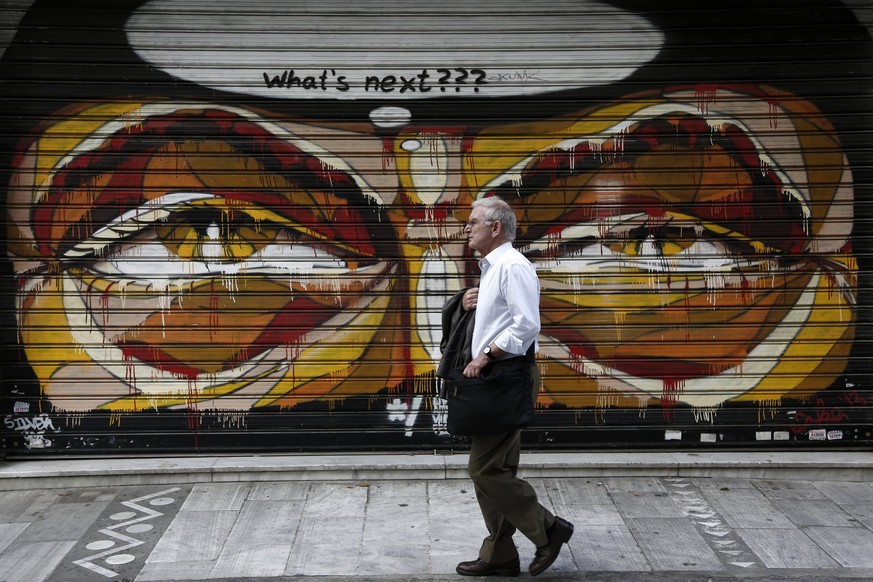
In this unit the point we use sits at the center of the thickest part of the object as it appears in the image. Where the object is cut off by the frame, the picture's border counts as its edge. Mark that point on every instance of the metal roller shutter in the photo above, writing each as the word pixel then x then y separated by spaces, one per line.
pixel 233 226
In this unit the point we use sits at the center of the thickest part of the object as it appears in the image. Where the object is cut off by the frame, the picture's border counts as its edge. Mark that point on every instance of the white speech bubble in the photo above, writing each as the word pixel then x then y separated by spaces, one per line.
pixel 337 49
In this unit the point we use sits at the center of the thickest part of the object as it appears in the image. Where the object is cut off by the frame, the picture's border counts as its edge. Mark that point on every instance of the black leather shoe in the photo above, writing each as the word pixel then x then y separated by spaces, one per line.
pixel 559 534
pixel 480 567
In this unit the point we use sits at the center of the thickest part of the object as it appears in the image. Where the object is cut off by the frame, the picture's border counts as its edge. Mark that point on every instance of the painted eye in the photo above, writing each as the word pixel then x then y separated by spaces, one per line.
pixel 676 166
pixel 635 242
pixel 235 172
pixel 257 201
pixel 215 234
pixel 204 257
pixel 189 236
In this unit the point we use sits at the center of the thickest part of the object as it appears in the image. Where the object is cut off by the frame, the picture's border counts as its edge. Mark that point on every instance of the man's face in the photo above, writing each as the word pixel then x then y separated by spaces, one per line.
pixel 480 233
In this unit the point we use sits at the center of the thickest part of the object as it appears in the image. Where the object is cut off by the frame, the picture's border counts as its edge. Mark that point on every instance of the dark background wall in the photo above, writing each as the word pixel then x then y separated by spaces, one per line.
pixel 234 229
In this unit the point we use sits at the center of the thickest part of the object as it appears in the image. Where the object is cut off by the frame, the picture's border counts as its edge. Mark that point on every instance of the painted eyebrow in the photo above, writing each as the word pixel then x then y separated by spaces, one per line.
pixel 124 156
pixel 763 213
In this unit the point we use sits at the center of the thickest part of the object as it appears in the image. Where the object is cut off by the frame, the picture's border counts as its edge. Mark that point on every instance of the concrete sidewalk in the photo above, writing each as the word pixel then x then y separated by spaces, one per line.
pixel 651 517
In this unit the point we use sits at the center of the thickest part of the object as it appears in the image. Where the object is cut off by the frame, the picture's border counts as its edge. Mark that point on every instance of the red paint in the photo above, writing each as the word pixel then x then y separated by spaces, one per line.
pixel 127 155
pixel 288 326
pixel 821 415
pixel 761 212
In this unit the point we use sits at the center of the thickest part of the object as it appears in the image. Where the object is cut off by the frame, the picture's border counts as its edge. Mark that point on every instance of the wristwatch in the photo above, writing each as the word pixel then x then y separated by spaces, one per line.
pixel 487 352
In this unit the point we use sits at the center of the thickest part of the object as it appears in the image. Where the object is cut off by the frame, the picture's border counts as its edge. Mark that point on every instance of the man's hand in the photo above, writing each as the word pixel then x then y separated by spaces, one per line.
pixel 474 368
pixel 471 299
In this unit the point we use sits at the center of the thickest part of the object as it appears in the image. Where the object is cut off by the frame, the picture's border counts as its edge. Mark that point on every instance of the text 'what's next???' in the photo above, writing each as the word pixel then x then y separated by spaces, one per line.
pixel 454 80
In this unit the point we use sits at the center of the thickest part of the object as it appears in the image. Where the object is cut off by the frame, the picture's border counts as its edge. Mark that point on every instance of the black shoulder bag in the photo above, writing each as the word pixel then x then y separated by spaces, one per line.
pixel 500 400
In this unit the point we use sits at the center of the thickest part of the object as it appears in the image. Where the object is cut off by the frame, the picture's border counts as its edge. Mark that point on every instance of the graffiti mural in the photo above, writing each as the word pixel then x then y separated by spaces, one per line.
pixel 222 238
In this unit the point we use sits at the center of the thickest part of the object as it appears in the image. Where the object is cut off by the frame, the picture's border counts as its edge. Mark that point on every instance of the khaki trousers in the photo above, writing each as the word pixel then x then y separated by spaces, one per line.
pixel 507 502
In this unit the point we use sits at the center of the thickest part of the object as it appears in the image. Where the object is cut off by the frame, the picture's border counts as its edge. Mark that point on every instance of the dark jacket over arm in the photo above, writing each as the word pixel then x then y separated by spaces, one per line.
pixel 456 343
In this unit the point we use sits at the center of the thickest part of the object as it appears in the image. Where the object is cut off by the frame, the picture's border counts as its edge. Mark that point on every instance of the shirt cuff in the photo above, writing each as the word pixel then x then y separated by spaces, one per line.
pixel 510 344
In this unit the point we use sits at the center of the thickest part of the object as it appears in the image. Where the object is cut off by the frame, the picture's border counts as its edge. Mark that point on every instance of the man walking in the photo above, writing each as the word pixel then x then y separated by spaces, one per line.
pixel 507 323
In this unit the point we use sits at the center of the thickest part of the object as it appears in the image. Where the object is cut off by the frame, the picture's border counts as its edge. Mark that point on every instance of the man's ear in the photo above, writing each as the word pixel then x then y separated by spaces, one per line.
pixel 496 228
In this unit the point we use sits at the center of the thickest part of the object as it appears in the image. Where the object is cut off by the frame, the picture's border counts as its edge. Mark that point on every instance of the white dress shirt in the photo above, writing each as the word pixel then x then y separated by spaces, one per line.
pixel 508 310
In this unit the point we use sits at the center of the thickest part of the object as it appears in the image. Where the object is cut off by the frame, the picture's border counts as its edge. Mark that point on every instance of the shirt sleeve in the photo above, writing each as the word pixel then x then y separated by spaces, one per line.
pixel 521 288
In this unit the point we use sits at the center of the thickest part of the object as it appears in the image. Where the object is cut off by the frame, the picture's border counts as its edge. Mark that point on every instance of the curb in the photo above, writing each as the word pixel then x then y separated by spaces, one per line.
pixel 102 472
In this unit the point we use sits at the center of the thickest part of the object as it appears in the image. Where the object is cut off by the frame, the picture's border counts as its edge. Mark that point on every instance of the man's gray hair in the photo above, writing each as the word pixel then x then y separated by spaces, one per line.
pixel 497 210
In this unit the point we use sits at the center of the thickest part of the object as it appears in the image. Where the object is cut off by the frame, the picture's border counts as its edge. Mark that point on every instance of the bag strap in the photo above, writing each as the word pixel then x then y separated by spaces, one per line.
pixel 531 355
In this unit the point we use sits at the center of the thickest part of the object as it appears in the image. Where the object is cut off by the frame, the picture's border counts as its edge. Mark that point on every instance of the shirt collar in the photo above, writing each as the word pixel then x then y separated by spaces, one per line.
pixel 494 255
